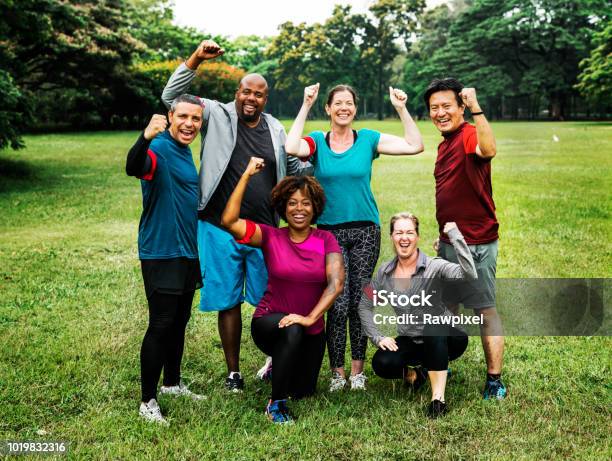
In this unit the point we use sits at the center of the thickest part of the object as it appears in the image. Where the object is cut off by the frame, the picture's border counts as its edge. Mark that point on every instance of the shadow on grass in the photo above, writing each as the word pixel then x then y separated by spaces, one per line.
pixel 15 174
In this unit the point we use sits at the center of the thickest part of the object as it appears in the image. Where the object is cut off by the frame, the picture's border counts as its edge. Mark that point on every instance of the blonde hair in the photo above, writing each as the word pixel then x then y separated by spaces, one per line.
pixel 403 215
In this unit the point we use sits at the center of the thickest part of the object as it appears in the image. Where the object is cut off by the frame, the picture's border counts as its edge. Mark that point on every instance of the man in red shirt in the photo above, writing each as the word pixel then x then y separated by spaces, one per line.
pixel 464 195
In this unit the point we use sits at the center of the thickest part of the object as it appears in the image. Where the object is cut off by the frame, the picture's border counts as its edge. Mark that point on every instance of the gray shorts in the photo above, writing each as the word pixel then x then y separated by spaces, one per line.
pixel 473 294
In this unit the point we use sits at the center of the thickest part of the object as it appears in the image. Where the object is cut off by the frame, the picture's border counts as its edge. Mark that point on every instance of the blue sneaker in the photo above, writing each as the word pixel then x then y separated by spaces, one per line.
pixel 494 390
pixel 278 413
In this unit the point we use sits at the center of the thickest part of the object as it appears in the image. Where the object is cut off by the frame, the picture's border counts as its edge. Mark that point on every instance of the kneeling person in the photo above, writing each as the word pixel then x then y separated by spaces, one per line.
pixel 427 348
pixel 305 276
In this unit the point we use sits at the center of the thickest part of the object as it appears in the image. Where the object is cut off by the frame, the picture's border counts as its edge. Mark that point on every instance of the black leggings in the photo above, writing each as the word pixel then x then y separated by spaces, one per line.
pixel 433 353
pixel 162 346
pixel 296 356
pixel 360 249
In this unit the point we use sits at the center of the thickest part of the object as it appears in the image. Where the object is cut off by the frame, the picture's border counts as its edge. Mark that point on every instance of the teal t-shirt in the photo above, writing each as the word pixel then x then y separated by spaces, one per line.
pixel 345 178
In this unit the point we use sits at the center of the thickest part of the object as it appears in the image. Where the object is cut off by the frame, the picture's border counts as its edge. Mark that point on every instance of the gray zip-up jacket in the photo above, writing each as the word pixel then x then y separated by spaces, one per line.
pixel 427 279
pixel 219 131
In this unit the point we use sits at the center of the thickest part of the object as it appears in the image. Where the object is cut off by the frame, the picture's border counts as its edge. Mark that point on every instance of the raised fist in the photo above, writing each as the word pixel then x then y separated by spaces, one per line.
pixel 157 124
pixel 256 164
pixel 398 97
pixel 310 94
pixel 449 226
pixel 209 49
pixel 468 96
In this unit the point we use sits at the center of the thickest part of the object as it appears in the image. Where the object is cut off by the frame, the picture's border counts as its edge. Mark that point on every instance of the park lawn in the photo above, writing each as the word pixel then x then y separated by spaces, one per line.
pixel 73 312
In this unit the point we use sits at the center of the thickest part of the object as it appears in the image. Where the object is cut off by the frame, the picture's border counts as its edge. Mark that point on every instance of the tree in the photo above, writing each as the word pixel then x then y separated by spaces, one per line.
pixel 595 80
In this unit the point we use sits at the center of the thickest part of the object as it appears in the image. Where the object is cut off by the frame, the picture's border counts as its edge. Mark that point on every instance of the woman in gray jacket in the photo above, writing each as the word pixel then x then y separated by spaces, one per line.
pixel 411 284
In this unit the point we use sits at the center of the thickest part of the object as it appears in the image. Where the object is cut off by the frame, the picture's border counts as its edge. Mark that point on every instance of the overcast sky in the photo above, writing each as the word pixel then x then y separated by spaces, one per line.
pixel 246 17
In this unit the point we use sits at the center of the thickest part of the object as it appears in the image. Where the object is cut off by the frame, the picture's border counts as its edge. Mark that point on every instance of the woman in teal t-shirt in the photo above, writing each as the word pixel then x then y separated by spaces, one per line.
pixel 342 160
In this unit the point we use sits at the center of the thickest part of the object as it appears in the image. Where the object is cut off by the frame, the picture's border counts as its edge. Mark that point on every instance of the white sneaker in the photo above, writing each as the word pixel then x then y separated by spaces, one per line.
pixel 264 371
pixel 181 390
pixel 337 382
pixel 151 412
pixel 358 382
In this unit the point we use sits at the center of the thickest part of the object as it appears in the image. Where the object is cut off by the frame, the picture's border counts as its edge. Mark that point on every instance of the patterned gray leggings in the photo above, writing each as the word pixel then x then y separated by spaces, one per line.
pixel 360 249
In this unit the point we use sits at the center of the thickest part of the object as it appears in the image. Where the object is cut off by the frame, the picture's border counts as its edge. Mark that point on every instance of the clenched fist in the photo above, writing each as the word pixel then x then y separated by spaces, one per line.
pixel 157 125
pixel 310 94
pixel 256 164
pixel 468 96
pixel 209 49
pixel 398 97
pixel 449 226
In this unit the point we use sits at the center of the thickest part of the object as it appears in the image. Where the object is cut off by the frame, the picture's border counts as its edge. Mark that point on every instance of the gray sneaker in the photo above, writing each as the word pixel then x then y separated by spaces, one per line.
pixel 180 390
pixel 358 382
pixel 337 382
pixel 151 412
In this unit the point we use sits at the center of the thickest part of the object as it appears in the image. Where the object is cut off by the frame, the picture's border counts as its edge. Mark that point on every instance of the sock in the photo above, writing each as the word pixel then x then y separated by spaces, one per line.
pixel 493 377
pixel 235 374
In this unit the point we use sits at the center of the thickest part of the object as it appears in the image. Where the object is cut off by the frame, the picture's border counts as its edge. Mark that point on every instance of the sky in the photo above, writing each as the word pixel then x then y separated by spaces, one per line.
pixel 245 17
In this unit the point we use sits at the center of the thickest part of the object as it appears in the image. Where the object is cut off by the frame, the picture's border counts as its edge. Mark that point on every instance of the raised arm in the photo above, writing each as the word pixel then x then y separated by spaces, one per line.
pixel 183 76
pixel 466 269
pixel 138 162
pixel 230 219
pixel 334 269
pixel 412 142
pixel 295 145
pixel 486 139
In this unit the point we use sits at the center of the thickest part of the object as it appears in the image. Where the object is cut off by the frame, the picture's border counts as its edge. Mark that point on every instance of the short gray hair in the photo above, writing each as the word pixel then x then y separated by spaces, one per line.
pixel 189 98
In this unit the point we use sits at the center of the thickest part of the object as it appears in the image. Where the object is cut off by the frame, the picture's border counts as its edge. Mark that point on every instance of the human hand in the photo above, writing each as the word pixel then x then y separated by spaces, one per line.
pixel 208 49
pixel 468 96
pixel 398 97
pixel 449 226
pixel 157 124
pixel 295 319
pixel 388 344
pixel 256 164
pixel 310 94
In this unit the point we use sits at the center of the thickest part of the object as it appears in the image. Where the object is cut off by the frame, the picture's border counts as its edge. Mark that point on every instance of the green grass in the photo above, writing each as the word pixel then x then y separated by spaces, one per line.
pixel 73 312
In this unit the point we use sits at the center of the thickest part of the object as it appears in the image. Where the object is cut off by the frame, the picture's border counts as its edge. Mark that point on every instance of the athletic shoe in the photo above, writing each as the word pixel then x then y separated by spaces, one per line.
pixel 337 382
pixel 358 382
pixel 180 390
pixel 234 382
pixel 278 413
pixel 436 408
pixel 421 378
pixel 494 390
pixel 151 412
pixel 265 372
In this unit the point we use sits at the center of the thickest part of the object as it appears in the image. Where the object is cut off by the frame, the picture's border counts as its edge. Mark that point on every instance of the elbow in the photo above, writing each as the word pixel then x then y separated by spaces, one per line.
pixel 226 222
pixel 290 149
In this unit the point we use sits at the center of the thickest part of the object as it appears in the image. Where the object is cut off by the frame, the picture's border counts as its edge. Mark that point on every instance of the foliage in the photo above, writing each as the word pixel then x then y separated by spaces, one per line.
pixel 595 80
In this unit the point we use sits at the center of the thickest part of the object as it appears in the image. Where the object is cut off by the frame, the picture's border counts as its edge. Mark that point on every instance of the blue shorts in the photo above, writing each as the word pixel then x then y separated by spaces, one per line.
pixel 231 272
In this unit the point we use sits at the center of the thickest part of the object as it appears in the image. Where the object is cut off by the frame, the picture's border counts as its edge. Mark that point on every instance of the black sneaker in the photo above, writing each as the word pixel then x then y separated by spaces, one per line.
pixel 436 408
pixel 234 382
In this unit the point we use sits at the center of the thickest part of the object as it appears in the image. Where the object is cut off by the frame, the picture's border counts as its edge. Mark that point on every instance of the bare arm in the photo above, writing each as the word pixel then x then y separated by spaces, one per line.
pixel 412 142
pixel 486 139
pixel 295 145
pixel 334 269
pixel 230 219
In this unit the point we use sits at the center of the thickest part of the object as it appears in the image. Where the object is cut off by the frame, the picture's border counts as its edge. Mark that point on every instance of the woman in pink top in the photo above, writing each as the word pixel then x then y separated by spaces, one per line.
pixel 305 276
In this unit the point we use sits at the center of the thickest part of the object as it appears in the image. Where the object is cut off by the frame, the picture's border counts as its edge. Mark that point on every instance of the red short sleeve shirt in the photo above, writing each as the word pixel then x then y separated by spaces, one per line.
pixel 463 188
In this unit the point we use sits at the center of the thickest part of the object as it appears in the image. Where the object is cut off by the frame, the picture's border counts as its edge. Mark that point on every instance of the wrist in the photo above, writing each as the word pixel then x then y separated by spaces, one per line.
pixel 193 62
pixel 475 108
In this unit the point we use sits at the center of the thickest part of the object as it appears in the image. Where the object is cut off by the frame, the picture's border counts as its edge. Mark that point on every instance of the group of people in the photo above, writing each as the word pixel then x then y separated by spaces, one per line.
pixel 219 232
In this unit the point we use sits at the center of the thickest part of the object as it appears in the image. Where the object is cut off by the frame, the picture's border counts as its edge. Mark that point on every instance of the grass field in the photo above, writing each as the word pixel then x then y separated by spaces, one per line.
pixel 73 312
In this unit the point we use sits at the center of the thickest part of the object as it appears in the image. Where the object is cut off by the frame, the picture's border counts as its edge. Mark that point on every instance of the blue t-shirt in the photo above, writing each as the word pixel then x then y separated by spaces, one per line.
pixel 169 220
pixel 346 178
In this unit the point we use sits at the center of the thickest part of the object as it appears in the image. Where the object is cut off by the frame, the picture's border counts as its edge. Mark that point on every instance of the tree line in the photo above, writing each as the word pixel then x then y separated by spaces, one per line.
pixel 68 64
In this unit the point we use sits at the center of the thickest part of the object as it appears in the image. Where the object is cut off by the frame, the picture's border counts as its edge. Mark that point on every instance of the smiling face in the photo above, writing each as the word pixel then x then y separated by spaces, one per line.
pixel 405 238
pixel 251 98
pixel 342 108
pixel 185 122
pixel 445 112
pixel 299 211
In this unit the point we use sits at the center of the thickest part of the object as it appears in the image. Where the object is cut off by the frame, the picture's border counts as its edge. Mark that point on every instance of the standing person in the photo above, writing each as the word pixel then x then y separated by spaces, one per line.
pixel 342 160
pixel 305 276
pixel 167 245
pixel 421 349
pixel 464 195
pixel 232 132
